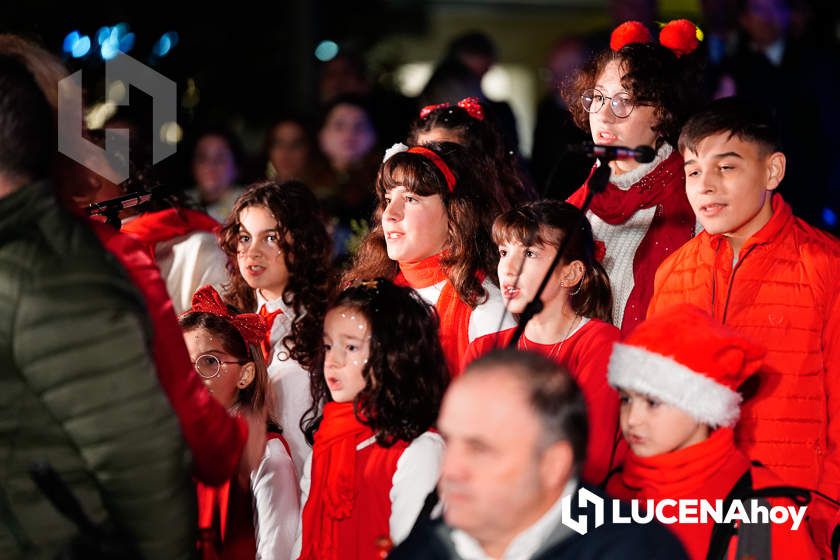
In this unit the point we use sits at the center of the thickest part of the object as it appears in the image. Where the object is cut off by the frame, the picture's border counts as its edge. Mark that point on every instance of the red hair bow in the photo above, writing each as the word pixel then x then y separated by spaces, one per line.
pixel 250 325
pixel 472 105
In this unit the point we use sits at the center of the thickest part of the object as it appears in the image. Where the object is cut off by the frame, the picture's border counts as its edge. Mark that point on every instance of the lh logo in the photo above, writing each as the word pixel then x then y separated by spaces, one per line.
pixel 112 162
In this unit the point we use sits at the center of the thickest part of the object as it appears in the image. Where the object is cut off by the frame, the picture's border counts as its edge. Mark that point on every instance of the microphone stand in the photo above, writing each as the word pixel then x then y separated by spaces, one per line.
pixel 596 184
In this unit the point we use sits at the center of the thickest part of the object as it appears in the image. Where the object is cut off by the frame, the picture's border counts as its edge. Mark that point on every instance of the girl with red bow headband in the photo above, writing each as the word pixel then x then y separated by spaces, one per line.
pixel 225 348
pixel 638 93
pixel 574 326
pixel 279 266
pixel 468 124
pixel 376 391
pixel 432 233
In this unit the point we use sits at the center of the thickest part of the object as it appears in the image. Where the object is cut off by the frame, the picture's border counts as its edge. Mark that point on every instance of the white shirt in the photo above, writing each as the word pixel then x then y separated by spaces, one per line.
pixel 486 317
pixel 276 502
pixel 289 380
pixel 189 262
pixel 418 469
pixel 526 543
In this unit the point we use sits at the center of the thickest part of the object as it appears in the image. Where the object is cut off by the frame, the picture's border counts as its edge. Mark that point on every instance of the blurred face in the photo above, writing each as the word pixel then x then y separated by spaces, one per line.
pixel 288 150
pixel 632 131
pixel 415 227
pixel 496 479
pixel 347 347
pixel 534 261
pixel 232 376
pixel 439 134
pixel 347 136
pixel 729 183
pixel 652 427
pixel 259 255
pixel 214 167
pixel 765 21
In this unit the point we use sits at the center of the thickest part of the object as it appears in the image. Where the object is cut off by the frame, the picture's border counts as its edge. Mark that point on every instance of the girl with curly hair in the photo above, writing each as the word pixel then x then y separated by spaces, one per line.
pixel 279 266
pixel 376 391
pixel 432 233
pixel 469 124
pixel 638 93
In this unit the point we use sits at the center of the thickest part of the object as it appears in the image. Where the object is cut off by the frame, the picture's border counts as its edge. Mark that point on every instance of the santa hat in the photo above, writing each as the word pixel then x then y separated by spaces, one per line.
pixel 687 359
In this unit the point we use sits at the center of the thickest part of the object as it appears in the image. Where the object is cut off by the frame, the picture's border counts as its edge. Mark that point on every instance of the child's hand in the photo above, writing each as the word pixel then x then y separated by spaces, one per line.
pixel 254 449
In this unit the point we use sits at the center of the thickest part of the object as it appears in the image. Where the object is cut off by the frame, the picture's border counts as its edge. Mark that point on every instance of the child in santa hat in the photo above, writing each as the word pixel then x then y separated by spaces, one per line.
pixel 679 401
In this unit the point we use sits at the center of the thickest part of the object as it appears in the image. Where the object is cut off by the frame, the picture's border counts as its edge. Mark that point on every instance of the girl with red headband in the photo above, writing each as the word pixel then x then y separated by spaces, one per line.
pixel 376 391
pixel 469 124
pixel 225 348
pixel 432 233
pixel 635 93
pixel 278 263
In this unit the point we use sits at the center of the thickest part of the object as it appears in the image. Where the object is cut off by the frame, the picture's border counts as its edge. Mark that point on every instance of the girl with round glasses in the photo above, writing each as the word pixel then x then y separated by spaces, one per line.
pixel 636 93
pixel 241 519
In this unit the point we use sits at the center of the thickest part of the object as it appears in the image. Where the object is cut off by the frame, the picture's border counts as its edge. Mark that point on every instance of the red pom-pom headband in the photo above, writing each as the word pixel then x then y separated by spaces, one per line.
pixel 439 163
pixel 471 105
pixel 680 36
pixel 251 326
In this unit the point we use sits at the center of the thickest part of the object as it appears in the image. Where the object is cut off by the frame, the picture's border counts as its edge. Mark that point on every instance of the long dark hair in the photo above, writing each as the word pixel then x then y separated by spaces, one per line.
pixel 405 375
pixel 306 250
pixel 470 209
pixel 482 139
pixel 548 222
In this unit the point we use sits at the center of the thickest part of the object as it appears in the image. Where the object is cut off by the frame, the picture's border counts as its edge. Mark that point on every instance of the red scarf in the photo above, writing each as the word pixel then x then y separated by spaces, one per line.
pixel 454 313
pixel 269 317
pixel 707 470
pixel 154 227
pixel 333 488
pixel 672 225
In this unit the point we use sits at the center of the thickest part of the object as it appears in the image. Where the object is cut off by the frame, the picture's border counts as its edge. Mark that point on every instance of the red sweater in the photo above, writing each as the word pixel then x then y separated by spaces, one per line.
pixel 214 437
pixel 705 471
pixel 585 354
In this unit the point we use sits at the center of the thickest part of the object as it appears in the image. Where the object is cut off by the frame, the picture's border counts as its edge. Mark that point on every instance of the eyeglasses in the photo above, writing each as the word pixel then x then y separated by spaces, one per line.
pixel 208 366
pixel 621 104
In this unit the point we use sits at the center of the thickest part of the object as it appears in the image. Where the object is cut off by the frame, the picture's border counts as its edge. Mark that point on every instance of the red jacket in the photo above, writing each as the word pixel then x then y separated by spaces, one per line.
pixel 708 470
pixel 215 438
pixel 783 292
pixel 585 354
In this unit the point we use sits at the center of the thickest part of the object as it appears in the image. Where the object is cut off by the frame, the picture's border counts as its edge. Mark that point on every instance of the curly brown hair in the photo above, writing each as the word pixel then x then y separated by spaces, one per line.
pixel 652 74
pixel 482 138
pixel 548 222
pixel 307 251
pixel 470 208
pixel 405 374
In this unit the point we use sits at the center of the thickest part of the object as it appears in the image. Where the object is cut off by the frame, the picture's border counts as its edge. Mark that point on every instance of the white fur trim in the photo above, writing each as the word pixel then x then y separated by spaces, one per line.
pixel 636 369
pixel 394 150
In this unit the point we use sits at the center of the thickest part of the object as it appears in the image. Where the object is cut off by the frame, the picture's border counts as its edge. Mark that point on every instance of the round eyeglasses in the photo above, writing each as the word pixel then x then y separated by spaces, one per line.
pixel 208 366
pixel 621 104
